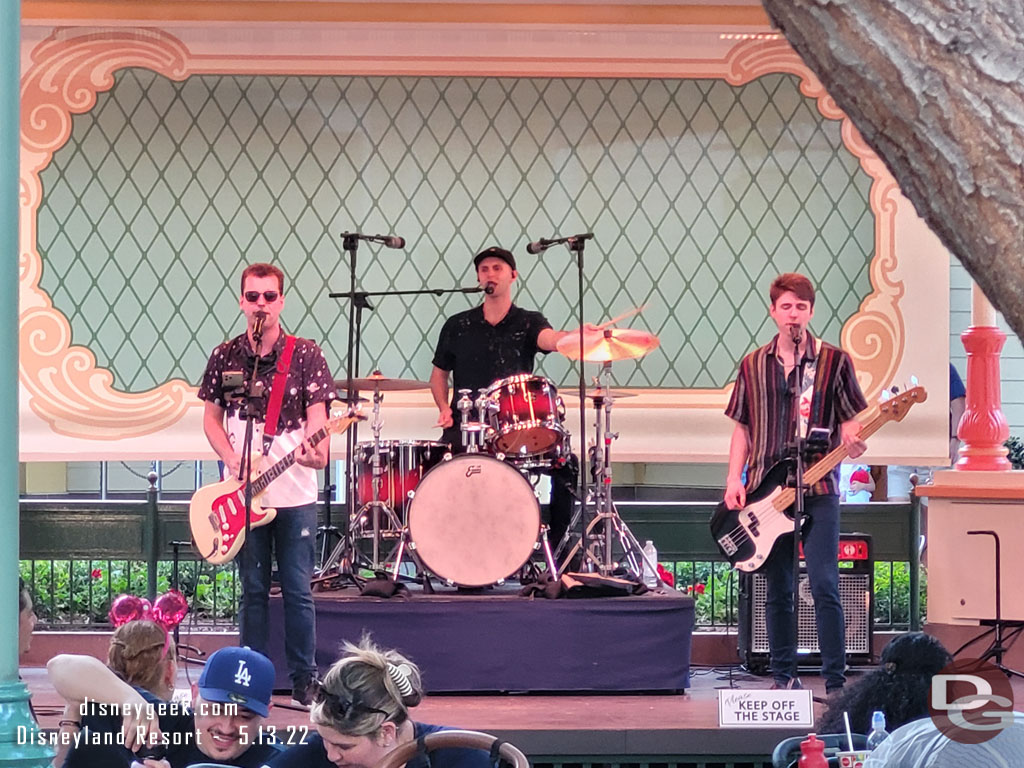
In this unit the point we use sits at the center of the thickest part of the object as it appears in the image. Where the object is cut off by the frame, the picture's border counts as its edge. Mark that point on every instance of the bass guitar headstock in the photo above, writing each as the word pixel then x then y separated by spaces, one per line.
pixel 895 406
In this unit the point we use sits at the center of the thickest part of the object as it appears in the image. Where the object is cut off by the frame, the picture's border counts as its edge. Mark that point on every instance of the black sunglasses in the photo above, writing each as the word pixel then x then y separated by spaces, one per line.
pixel 253 296
pixel 337 707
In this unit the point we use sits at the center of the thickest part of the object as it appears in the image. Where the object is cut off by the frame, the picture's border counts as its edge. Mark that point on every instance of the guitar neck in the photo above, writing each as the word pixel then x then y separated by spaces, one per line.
pixel 831 460
pixel 282 465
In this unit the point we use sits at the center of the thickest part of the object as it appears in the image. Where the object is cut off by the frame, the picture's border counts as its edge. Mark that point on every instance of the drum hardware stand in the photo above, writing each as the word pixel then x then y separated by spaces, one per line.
pixel 607 524
pixel 344 554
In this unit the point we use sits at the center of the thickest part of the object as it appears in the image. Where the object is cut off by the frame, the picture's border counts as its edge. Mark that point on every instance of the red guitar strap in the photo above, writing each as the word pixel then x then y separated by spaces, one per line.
pixel 277 388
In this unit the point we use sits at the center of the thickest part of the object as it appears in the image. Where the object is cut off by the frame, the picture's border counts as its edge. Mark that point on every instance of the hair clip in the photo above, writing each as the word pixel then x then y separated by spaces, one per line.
pixel 339 707
pixel 400 674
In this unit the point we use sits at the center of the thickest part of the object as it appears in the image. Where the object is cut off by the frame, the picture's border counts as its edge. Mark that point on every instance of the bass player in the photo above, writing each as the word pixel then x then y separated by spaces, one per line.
pixel 762 407
pixel 293 370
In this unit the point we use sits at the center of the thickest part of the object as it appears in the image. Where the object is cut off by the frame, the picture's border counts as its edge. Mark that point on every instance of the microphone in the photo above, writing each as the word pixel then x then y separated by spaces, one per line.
pixel 539 246
pixel 257 326
pixel 388 241
pixel 489 289
pixel 796 335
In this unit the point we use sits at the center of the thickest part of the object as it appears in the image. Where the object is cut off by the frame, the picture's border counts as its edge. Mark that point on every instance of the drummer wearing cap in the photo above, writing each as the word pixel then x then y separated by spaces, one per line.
pixel 494 341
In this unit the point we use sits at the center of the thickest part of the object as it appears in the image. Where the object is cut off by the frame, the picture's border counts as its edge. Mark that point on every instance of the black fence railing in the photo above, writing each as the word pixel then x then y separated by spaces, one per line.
pixel 79 554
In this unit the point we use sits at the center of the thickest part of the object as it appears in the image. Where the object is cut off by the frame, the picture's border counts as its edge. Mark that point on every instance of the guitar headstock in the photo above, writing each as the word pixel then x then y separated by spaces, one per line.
pixel 345 419
pixel 897 405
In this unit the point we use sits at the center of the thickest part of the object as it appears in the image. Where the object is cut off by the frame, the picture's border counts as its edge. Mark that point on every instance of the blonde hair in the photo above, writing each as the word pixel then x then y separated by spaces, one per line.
pixel 367 687
pixel 139 653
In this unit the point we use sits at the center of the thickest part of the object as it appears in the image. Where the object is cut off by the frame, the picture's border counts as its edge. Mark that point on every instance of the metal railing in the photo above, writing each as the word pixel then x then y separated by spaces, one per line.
pixel 78 554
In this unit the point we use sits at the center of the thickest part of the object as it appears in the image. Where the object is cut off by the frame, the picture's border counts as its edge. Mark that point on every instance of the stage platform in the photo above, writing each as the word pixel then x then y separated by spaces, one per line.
pixel 494 641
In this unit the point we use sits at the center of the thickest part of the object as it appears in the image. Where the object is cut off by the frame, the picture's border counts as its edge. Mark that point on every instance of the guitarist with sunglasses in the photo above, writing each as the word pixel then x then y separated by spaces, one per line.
pixel 296 367
pixel 766 421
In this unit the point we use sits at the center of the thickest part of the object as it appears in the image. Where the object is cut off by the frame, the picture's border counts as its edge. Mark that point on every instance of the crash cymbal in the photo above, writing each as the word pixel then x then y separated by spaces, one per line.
pixel 377 380
pixel 607 344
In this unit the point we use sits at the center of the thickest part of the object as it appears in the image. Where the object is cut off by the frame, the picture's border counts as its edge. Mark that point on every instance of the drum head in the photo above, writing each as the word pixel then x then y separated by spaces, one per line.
pixel 474 520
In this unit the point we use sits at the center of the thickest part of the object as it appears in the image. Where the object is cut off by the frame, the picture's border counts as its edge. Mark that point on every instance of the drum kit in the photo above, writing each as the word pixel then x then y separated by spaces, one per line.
pixel 474 519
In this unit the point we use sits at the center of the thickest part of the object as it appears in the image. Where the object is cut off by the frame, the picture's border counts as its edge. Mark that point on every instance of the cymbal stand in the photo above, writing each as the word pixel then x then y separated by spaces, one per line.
pixel 607 526
pixel 376 507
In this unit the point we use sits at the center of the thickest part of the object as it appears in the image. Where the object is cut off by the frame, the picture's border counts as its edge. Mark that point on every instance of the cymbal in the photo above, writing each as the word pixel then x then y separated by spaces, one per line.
pixel 608 344
pixel 377 381
pixel 343 398
pixel 617 394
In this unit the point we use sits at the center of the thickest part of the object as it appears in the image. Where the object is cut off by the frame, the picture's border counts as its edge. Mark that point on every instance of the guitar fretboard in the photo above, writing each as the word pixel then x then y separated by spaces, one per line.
pixel 830 460
pixel 282 465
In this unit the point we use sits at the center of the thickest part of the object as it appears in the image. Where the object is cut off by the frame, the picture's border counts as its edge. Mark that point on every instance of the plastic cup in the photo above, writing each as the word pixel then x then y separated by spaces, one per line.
pixel 852 759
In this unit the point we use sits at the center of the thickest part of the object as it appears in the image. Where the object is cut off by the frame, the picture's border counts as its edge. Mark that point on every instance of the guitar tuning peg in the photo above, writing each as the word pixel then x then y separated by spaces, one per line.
pixel 913 381
pixel 885 395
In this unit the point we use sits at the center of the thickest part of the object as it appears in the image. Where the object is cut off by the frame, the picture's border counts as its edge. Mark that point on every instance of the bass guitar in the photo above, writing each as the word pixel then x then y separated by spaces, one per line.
pixel 216 513
pixel 746 536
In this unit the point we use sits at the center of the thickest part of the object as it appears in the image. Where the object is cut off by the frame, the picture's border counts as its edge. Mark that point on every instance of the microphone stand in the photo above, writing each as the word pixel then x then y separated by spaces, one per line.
pixel 358 301
pixel 251 396
pixel 797 451
pixel 576 245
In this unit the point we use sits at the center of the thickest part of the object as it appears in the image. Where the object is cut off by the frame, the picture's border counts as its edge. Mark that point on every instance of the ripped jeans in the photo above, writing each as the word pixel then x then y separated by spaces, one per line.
pixel 292 537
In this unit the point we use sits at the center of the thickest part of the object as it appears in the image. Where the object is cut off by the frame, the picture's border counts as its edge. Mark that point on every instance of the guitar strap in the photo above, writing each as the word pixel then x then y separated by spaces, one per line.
pixel 277 388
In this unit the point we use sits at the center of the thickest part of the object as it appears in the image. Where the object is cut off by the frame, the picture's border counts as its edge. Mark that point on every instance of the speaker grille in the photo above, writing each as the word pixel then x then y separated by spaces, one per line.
pixel 855 596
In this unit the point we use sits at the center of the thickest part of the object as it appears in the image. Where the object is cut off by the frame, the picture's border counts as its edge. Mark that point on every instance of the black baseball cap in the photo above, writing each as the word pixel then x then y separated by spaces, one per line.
pixel 496 253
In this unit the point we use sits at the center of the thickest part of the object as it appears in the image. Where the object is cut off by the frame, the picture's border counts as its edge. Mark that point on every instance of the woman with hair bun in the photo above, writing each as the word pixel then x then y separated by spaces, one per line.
pixel 360 712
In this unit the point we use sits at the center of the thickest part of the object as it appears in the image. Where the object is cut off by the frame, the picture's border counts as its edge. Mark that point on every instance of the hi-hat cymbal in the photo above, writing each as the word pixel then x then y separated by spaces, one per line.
pixel 378 381
pixel 343 398
pixel 616 394
pixel 608 344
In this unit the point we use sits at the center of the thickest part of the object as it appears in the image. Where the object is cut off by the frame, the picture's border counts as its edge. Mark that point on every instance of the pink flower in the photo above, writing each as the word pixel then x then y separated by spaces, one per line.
pixel 699 589
pixel 97 573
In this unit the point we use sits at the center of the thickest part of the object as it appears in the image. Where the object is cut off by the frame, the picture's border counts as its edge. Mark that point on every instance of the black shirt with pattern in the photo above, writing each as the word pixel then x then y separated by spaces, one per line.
pixel 478 353
pixel 308 382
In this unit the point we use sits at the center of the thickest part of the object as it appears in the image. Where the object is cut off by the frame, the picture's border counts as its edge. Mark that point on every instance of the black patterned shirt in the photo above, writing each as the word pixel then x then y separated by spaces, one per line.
pixel 309 382
pixel 478 353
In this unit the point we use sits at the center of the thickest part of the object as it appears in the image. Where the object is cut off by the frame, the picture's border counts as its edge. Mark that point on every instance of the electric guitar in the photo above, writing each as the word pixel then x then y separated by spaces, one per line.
pixel 746 536
pixel 216 513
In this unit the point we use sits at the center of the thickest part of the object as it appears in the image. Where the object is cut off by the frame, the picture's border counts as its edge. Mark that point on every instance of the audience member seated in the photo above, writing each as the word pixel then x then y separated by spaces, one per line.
pixel 26 619
pixel 223 725
pixel 899 687
pixel 142 653
pixel 361 712
pixel 855 483
pixel 919 744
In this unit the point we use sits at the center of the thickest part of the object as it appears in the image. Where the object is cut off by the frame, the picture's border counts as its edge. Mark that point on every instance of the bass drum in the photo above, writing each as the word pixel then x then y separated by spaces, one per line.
pixel 474 520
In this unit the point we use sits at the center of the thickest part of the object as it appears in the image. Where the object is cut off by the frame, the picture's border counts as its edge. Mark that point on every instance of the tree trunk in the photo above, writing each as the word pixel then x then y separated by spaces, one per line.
pixel 936 88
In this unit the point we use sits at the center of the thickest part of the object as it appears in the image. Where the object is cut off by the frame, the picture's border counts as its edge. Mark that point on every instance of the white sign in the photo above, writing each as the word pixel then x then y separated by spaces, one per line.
pixel 765 709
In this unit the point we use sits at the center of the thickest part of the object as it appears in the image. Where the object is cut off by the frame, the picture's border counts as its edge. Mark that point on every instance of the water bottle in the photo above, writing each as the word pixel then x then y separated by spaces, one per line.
pixel 878 733
pixel 650 564
pixel 812 753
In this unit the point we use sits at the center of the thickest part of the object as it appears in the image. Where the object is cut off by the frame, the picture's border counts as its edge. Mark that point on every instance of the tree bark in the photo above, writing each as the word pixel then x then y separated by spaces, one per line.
pixel 936 88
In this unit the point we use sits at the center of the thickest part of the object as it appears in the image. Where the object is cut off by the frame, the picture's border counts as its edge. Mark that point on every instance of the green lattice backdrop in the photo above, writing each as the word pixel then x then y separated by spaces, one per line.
pixel 697 193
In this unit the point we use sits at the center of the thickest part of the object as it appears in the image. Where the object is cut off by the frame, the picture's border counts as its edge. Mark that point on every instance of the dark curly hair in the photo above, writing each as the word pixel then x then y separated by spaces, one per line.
pixel 899 687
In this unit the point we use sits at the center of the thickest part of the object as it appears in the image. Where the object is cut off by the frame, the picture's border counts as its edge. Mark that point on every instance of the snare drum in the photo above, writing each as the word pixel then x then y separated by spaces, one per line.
pixel 474 520
pixel 403 463
pixel 525 416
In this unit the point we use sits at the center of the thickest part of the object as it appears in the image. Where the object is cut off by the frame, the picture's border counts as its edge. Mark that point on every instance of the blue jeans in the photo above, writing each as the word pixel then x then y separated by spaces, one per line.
pixel 291 536
pixel 820 534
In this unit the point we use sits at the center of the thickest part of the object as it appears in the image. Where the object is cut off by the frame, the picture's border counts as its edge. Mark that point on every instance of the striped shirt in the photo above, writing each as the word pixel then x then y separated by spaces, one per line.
pixel 761 402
